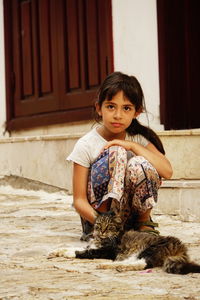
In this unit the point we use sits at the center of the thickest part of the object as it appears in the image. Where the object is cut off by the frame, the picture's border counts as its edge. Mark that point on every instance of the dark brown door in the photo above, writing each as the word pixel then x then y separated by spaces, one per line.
pixel 84 49
pixel 34 57
pixel 179 62
pixel 57 54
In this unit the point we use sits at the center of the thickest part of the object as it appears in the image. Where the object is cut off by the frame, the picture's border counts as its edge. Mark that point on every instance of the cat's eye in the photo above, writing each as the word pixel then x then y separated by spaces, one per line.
pixel 112 228
pixel 96 227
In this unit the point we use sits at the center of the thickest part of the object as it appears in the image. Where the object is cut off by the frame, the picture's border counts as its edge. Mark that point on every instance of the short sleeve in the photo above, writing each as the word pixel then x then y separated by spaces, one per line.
pixel 142 140
pixel 138 138
pixel 80 154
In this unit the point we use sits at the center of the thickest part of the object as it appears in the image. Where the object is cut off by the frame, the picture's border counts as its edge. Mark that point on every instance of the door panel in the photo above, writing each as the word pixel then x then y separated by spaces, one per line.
pixel 59 53
pixel 87 63
pixel 34 57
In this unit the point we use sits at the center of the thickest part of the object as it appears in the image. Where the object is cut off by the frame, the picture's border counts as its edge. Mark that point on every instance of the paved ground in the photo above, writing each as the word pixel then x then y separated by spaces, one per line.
pixel 35 223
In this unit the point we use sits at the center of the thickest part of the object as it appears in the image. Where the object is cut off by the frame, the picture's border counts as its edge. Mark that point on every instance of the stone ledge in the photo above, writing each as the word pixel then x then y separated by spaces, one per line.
pixel 66 136
pixel 188 132
pixel 42 158
pixel 51 137
pixel 181 184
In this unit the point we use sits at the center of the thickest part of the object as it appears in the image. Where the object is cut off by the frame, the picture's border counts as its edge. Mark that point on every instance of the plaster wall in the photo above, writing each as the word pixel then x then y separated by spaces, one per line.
pixel 136 50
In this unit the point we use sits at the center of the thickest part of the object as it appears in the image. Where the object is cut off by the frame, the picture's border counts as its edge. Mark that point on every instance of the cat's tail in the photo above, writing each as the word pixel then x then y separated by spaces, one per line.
pixel 179 266
pixel 191 267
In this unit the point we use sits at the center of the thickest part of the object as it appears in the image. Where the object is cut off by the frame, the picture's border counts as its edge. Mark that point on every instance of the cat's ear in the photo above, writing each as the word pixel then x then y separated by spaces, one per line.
pixel 117 216
pixel 118 219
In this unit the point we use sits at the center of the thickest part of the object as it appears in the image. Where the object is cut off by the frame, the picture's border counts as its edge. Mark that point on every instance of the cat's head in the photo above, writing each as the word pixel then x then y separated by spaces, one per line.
pixel 107 227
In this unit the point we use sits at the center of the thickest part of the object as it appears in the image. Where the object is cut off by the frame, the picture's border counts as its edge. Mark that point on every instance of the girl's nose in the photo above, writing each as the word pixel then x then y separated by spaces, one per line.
pixel 117 114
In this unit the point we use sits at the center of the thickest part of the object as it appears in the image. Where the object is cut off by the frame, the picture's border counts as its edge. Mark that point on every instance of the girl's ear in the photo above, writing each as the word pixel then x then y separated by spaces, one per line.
pixel 137 113
pixel 98 109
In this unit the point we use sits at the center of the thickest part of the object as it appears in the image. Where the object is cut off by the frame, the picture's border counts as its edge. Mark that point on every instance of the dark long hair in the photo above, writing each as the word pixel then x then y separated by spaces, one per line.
pixel 132 90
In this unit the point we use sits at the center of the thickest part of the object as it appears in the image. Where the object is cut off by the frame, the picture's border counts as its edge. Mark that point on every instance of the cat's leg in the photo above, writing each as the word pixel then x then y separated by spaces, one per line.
pixel 156 253
pixel 70 252
pixel 132 263
pixel 65 252
pixel 152 257
pixel 74 252
pixel 92 253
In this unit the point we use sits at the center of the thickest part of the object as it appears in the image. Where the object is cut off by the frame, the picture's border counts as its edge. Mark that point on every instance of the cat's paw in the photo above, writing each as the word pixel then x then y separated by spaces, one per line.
pixel 106 266
pixel 67 253
pixel 80 254
pixel 130 264
pixel 85 253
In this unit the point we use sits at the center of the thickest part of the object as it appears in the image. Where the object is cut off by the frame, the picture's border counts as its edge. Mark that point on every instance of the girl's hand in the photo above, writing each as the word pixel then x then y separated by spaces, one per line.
pixel 150 152
pixel 125 144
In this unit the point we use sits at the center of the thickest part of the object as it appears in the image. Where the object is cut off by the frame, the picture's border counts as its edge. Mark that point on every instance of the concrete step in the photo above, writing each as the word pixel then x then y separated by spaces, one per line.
pixel 180 197
pixel 42 158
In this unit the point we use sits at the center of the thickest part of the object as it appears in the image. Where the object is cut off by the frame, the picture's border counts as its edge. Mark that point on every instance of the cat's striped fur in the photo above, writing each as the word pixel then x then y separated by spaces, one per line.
pixel 112 242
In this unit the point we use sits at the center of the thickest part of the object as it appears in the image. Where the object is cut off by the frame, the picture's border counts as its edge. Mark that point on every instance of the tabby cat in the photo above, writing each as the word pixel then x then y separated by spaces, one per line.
pixel 148 250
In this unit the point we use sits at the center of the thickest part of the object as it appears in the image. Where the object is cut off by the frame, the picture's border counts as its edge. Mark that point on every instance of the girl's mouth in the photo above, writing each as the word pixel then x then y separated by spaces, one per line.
pixel 116 125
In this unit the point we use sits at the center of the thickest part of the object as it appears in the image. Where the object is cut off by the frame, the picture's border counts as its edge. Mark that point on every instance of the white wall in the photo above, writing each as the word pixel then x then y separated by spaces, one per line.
pixel 136 49
pixel 2 74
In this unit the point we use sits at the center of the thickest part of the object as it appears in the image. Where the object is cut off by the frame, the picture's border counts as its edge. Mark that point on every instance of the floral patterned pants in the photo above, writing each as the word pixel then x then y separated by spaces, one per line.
pixel 129 185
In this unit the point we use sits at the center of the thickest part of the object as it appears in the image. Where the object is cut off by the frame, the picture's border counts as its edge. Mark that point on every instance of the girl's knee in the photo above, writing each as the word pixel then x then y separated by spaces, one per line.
pixel 139 165
pixel 117 156
pixel 118 149
pixel 136 161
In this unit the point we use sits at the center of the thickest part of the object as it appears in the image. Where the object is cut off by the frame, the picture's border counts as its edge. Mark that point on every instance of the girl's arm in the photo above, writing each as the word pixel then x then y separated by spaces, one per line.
pixel 81 204
pixel 150 152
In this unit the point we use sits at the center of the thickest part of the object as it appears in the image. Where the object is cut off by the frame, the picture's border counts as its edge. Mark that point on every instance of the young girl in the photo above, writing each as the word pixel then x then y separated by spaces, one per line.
pixel 119 164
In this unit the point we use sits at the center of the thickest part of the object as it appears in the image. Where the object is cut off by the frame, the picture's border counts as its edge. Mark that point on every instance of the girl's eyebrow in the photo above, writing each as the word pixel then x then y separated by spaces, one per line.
pixel 111 102
pixel 128 105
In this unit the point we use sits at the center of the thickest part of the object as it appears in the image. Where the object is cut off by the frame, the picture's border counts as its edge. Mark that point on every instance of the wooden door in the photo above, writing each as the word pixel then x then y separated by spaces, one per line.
pixel 179 62
pixel 57 54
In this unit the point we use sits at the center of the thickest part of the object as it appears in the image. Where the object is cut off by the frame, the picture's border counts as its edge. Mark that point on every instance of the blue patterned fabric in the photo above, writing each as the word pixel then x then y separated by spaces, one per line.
pixel 100 176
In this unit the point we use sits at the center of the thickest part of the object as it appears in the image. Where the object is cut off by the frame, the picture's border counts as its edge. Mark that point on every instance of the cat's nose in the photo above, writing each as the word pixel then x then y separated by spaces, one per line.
pixel 94 234
pixel 102 235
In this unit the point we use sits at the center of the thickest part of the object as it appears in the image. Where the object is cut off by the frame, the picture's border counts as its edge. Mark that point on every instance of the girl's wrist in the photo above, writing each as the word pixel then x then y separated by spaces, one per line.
pixel 96 214
pixel 132 147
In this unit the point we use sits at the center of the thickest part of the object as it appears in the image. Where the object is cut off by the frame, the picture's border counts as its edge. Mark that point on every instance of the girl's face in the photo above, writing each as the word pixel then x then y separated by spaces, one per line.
pixel 117 113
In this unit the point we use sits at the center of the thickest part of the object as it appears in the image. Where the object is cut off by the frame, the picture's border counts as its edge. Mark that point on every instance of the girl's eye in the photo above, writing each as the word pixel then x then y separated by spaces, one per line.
pixel 110 106
pixel 127 108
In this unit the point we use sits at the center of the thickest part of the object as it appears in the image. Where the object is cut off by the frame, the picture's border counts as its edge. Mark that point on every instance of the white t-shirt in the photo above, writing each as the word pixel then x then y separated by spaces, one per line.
pixel 88 147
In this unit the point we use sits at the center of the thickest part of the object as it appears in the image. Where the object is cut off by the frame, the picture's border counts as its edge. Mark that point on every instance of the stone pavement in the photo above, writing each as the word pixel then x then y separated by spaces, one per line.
pixel 33 223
